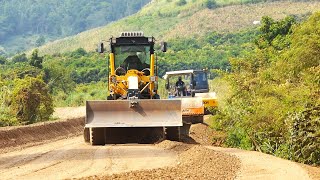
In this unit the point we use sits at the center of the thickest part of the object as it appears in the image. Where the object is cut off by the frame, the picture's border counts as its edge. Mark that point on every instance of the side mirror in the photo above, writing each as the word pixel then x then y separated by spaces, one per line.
pixel 167 85
pixel 101 48
pixel 163 46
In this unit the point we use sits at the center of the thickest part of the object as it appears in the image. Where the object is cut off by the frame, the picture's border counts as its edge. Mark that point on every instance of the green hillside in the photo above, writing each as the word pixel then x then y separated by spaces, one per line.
pixel 165 19
pixel 31 23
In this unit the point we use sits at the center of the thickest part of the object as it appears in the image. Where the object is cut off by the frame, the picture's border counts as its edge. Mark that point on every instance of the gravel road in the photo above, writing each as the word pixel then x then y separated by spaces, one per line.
pixel 194 158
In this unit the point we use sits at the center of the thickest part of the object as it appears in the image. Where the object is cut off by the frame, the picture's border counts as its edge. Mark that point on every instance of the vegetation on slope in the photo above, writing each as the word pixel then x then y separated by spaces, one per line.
pixel 26 24
pixel 271 100
pixel 72 78
pixel 166 20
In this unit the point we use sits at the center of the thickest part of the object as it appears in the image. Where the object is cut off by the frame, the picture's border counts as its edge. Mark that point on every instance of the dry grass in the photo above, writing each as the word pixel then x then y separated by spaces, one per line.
pixel 238 17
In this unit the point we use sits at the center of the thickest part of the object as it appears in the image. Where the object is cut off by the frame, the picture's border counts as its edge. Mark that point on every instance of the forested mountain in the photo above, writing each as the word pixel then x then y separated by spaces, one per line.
pixel 30 23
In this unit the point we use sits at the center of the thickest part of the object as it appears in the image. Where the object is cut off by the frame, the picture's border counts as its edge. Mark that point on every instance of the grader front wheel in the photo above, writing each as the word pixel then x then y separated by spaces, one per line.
pixel 97 136
pixel 86 135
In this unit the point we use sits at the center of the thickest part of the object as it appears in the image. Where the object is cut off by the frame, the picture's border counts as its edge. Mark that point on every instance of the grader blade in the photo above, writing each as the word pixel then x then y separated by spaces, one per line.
pixel 144 113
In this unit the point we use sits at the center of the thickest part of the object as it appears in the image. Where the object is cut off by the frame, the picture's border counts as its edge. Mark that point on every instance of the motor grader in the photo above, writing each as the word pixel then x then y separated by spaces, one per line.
pixel 194 94
pixel 133 110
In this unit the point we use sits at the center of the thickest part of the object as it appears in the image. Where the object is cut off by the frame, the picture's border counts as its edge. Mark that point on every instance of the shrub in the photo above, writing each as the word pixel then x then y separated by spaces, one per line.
pixel 35 59
pixel 211 4
pixel 305 136
pixel 20 58
pixel 31 101
pixel 181 2
pixel 3 60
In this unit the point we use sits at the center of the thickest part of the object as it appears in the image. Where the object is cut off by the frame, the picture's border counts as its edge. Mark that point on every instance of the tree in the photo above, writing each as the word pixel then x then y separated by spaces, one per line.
pixel 271 30
pixel 211 4
pixel 181 2
pixel 40 41
pixel 31 101
pixel 20 58
pixel 36 60
pixel 58 78
pixel 2 60
pixel 78 53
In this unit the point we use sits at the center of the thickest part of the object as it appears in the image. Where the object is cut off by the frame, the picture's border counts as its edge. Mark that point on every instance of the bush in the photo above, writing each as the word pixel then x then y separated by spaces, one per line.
pixel 20 58
pixel 181 2
pixel 31 101
pixel 3 60
pixel 78 53
pixel 305 136
pixel 7 118
pixel 211 4
pixel 35 59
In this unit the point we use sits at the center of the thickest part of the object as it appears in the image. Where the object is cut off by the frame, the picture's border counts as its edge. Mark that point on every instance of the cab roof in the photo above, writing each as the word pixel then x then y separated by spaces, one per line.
pixel 181 72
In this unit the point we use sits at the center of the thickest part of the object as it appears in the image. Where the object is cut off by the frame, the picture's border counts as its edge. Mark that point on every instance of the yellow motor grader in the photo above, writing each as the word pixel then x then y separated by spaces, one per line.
pixel 133 111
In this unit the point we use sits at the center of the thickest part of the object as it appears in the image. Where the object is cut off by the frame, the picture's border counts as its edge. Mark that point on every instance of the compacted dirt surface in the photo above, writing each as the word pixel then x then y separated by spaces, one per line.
pixel 69 112
pixel 56 150
pixel 255 165
pixel 71 158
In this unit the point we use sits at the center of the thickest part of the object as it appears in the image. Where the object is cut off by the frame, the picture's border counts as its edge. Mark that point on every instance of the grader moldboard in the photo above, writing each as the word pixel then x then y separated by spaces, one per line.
pixel 133 112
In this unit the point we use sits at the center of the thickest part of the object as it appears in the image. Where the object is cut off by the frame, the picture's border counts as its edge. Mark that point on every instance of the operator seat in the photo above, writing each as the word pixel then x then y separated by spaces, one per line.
pixel 132 62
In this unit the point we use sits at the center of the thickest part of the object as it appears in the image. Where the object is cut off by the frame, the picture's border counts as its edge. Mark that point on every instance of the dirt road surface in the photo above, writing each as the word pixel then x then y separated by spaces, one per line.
pixel 195 158
pixel 72 158
pixel 69 112
pixel 255 165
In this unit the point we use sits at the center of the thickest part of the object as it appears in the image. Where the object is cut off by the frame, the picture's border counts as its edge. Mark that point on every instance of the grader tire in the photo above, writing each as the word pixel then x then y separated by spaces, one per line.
pixel 86 135
pixel 198 119
pixel 97 136
pixel 173 133
pixel 185 129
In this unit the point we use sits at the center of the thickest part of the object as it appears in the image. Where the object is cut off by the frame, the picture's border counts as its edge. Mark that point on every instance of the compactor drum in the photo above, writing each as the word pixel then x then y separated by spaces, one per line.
pixel 133 112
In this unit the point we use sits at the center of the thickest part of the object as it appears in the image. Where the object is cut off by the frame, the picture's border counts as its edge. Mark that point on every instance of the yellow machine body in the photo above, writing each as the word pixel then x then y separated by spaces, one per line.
pixel 133 101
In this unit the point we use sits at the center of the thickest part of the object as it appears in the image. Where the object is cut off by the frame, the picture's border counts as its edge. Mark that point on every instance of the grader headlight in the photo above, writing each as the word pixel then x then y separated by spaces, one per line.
pixel 133 82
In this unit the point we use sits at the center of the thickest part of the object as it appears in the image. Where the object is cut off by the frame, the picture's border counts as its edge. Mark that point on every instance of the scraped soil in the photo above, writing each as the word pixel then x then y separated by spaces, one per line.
pixel 14 138
pixel 313 171
pixel 194 162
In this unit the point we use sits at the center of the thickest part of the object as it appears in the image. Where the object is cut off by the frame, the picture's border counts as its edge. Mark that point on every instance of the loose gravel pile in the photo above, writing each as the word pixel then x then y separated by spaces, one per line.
pixel 194 162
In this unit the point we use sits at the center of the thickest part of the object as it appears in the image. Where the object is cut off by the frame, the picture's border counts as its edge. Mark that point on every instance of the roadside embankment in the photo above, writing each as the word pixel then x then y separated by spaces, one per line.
pixel 30 135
